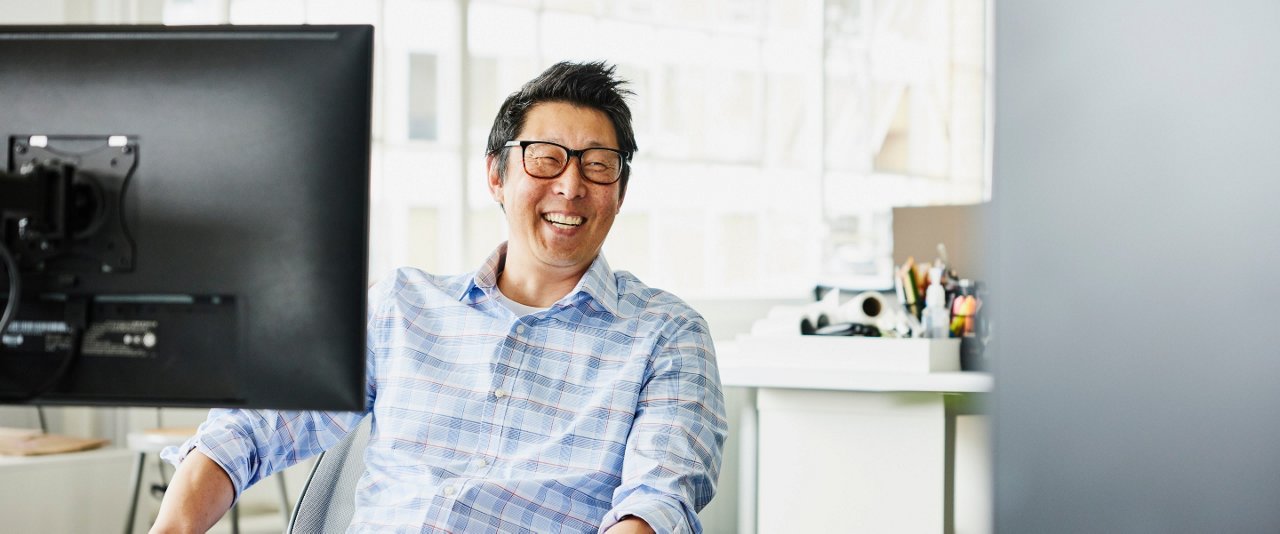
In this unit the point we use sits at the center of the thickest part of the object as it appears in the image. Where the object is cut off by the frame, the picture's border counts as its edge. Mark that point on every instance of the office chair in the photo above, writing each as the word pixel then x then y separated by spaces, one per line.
pixel 327 501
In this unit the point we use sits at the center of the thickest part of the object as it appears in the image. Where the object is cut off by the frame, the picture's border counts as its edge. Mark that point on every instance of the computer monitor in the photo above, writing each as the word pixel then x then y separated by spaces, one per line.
pixel 188 209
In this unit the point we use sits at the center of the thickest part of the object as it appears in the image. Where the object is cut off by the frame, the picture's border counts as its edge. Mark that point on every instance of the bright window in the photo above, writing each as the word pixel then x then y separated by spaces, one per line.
pixel 775 135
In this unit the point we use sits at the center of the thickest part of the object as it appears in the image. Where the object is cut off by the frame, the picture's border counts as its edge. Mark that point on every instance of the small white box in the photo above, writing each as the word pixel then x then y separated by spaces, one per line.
pixel 853 353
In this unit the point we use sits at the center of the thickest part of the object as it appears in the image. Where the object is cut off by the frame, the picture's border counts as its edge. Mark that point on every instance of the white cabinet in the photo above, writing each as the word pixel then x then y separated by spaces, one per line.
pixel 842 461
pixel 833 449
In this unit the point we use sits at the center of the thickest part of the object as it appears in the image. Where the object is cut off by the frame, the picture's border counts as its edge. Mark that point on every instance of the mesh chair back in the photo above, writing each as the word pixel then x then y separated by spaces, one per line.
pixel 327 501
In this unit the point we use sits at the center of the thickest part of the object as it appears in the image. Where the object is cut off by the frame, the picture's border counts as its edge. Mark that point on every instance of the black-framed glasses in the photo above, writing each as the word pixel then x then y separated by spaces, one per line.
pixel 544 159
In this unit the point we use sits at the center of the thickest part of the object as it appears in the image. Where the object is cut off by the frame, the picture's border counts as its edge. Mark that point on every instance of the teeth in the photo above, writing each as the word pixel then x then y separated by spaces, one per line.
pixel 559 218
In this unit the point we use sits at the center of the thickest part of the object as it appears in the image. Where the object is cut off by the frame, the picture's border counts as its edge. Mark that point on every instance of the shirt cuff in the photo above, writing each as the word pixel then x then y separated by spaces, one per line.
pixel 176 454
pixel 663 514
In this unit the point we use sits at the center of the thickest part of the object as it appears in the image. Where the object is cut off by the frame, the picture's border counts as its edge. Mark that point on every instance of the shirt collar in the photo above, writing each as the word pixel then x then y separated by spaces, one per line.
pixel 597 283
pixel 486 278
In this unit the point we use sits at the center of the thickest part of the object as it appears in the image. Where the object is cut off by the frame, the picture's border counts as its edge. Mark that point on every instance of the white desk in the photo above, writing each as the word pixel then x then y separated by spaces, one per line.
pixel 830 449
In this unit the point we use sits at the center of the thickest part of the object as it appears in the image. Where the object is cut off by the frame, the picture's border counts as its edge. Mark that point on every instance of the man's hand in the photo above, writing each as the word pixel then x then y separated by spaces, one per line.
pixel 630 525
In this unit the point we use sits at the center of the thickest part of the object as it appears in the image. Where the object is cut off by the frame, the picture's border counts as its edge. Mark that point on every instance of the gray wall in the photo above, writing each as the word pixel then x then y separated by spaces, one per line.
pixel 1137 185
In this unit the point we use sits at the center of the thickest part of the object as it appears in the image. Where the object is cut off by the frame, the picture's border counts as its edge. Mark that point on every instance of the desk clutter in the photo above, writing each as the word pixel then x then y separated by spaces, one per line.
pixel 930 301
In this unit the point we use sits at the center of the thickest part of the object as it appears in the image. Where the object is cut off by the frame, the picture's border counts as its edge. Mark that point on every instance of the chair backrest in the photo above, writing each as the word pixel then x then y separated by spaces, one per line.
pixel 327 501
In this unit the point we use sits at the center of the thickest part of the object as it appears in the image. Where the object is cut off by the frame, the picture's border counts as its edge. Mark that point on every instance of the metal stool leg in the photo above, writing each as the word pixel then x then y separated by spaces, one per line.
pixel 286 508
pixel 133 496
pixel 235 519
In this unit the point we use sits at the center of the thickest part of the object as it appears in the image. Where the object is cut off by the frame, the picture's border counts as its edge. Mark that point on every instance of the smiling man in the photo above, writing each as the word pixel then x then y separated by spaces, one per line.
pixel 558 213
pixel 544 392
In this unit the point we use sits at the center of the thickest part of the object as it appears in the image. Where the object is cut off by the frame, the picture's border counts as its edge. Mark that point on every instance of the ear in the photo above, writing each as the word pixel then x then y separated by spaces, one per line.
pixel 494 177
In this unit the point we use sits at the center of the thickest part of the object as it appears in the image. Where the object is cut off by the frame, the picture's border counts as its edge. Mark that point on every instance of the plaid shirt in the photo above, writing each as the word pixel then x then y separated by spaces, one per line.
pixel 606 404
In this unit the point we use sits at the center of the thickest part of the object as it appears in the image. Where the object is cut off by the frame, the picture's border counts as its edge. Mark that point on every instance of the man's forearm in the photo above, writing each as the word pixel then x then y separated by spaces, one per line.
pixel 198 496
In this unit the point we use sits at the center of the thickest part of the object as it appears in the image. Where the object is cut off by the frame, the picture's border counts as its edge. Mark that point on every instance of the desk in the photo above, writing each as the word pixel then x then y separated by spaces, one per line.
pixel 829 449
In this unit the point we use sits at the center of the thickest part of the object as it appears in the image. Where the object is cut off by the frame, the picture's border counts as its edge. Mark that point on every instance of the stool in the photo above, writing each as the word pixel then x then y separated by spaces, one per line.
pixel 152 442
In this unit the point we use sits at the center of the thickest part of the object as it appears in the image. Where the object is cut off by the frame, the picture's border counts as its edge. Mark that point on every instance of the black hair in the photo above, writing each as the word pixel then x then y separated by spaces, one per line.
pixel 591 85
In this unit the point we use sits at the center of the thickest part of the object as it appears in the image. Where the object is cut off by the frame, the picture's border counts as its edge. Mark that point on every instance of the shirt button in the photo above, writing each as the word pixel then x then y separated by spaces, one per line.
pixel 520 329
pixel 480 462
pixel 499 393
pixel 449 491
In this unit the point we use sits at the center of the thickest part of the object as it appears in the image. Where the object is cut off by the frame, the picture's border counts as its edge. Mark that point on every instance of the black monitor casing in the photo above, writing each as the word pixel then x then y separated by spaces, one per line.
pixel 229 265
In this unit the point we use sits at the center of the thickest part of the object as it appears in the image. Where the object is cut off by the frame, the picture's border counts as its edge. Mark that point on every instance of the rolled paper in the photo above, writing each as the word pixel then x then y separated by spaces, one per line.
pixel 868 307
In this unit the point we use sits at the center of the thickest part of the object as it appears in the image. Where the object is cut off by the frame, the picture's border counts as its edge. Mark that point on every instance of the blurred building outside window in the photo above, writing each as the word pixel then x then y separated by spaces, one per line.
pixel 775 135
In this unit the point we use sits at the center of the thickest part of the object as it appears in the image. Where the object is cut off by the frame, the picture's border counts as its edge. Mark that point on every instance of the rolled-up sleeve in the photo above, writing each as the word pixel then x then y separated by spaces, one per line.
pixel 250 445
pixel 676 444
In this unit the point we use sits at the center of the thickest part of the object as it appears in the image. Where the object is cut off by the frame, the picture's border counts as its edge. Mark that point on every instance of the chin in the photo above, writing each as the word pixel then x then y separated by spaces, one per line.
pixel 565 259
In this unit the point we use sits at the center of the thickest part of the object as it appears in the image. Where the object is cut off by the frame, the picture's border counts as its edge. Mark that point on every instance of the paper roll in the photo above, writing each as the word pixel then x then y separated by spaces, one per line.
pixel 792 320
pixel 868 307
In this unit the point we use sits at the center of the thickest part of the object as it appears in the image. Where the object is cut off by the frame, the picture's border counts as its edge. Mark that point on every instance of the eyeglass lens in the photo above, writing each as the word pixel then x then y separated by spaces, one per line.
pixel 545 160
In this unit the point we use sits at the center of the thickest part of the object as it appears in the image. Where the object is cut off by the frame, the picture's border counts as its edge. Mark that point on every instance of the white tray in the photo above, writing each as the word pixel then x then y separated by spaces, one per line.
pixel 864 354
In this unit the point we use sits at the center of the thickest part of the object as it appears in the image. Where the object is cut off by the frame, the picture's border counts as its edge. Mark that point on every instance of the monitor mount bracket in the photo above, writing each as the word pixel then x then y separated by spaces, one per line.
pixel 62 200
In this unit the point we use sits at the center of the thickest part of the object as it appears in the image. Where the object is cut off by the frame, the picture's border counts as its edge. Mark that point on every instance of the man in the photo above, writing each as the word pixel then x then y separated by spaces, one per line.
pixel 544 392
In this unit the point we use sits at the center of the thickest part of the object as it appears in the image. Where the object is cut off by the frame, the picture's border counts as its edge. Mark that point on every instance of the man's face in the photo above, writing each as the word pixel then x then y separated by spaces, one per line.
pixel 557 223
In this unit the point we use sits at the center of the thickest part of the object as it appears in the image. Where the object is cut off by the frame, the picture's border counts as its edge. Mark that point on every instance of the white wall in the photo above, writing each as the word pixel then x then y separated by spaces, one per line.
pixel 80 11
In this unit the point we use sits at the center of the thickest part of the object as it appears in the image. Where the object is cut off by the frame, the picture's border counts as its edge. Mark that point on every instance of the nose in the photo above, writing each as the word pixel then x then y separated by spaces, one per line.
pixel 571 184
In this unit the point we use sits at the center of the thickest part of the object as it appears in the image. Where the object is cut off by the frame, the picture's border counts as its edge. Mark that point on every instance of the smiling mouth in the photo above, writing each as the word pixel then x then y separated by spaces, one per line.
pixel 563 221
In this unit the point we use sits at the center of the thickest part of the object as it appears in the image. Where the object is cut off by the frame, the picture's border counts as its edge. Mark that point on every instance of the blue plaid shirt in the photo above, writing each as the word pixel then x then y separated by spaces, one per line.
pixel 604 405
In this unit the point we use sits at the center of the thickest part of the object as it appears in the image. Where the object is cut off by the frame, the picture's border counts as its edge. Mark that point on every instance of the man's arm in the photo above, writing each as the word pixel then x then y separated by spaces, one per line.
pixel 674 451
pixel 630 525
pixel 234 449
pixel 254 444
pixel 199 494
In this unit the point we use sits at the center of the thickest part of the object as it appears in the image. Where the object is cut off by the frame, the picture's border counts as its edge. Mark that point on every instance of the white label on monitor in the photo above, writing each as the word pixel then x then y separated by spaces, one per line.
pixel 121 338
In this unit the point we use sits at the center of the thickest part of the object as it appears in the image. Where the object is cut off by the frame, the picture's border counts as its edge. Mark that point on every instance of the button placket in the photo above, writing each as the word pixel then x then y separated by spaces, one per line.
pixel 500 392
pixel 506 353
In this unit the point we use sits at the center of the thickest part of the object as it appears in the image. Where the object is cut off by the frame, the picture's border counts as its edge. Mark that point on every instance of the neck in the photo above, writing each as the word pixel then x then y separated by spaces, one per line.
pixel 537 285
